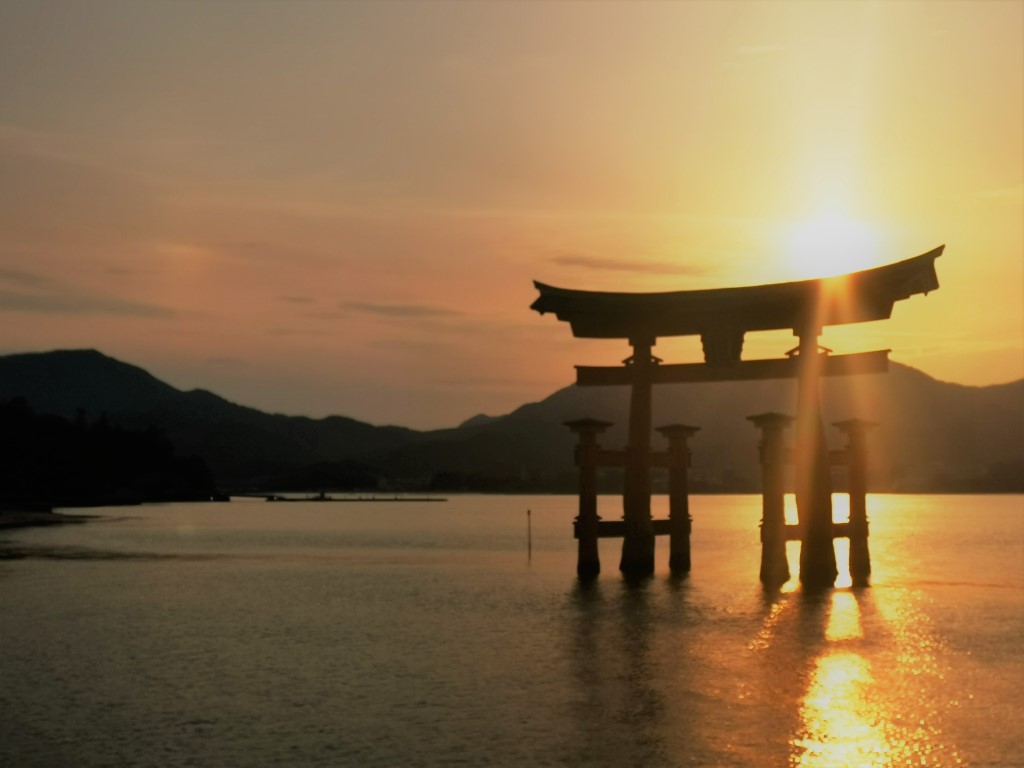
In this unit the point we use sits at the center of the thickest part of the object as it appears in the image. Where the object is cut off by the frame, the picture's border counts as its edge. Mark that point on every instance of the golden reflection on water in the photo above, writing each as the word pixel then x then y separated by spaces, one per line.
pixel 841 724
pixel 859 712
pixel 842 549
pixel 844 618
pixel 875 676
pixel 793 558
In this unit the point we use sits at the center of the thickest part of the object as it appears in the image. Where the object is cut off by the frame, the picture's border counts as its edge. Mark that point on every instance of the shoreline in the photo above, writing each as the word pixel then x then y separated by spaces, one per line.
pixel 28 519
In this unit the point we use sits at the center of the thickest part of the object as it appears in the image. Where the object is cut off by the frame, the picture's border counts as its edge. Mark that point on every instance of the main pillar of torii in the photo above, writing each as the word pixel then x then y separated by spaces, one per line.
pixel 722 317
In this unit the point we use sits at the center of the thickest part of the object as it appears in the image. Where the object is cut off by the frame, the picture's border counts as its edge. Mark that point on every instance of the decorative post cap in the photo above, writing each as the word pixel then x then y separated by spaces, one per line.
pixel 584 426
pixel 677 431
pixel 848 426
pixel 771 419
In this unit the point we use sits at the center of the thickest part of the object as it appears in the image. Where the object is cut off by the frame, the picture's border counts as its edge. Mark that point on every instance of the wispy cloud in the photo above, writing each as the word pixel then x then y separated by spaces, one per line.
pixel 400 310
pixel 81 304
pixel 628 265
pixel 27 291
pixel 26 279
pixel 271 251
pixel 304 332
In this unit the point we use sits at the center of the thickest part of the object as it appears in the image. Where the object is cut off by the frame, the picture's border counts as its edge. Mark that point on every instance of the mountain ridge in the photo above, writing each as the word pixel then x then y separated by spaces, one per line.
pixel 932 435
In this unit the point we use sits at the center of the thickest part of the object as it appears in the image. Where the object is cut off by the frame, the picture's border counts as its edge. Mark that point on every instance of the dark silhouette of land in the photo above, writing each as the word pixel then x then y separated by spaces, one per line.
pixel 48 461
pixel 932 436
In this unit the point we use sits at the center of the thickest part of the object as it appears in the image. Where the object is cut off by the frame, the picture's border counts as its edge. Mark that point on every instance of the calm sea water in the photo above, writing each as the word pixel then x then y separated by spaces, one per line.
pixel 254 634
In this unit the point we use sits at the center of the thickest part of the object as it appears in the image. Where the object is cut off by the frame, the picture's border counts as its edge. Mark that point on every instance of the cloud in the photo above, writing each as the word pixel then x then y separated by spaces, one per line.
pixel 400 310
pixel 28 291
pixel 304 332
pixel 627 265
pixel 68 304
pixel 26 279
pixel 270 251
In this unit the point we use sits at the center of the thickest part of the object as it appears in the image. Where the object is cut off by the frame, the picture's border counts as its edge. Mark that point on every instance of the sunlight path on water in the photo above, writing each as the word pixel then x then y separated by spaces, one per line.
pixel 841 726
pixel 861 707
pixel 861 712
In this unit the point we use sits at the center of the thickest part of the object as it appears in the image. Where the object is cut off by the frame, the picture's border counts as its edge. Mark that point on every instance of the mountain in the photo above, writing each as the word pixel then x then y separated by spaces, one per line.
pixel 241 445
pixel 931 435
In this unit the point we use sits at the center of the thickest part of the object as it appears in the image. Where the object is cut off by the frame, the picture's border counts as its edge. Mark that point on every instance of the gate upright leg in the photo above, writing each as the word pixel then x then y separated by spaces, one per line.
pixel 588 562
pixel 774 563
pixel 856 463
pixel 678 496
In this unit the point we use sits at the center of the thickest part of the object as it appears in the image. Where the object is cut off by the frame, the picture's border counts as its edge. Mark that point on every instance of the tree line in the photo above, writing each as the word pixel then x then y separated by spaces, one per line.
pixel 51 461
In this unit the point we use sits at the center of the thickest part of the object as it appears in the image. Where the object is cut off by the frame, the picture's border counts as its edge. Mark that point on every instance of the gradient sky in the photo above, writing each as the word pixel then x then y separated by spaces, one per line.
pixel 339 207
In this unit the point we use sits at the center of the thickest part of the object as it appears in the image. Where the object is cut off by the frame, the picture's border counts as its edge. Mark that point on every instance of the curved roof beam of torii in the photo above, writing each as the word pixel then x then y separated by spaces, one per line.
pixel 808 304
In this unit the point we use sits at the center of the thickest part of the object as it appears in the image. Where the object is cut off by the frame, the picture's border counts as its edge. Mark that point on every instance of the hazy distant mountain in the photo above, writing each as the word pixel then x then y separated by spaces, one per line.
pixel 931 435
pixel 480 418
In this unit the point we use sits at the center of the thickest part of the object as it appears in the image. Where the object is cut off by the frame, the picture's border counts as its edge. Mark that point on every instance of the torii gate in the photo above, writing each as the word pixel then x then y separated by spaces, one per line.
pixel 721 317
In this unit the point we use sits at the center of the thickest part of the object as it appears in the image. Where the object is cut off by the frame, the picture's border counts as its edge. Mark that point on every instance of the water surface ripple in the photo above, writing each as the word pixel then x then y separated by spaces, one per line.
pixel 250 634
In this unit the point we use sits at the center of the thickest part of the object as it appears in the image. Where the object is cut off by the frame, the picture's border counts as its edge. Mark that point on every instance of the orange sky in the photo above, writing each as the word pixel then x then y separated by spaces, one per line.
pixel 320 208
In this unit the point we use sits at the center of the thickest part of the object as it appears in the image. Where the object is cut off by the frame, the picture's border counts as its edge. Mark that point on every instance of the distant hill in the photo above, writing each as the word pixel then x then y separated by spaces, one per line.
pixel 932 435
pixel 241 445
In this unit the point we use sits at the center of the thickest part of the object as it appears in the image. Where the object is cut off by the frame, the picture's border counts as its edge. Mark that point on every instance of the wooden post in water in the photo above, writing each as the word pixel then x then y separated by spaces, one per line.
pixel 813 473
pixel 529 536
pixel 856 464
pixel 680 522
pixel 588 562
pixel 774 564
pixel 638 538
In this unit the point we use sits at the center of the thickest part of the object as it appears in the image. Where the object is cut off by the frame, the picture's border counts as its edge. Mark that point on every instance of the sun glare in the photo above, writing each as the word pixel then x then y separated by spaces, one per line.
pixel 831 244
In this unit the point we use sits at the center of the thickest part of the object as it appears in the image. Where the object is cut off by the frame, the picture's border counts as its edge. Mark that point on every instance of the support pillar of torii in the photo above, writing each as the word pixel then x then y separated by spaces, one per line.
pixel 638 540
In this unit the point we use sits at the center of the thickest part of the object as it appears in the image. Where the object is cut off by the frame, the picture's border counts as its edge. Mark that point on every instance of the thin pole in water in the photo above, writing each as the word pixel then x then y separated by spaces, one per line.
pixel 529 536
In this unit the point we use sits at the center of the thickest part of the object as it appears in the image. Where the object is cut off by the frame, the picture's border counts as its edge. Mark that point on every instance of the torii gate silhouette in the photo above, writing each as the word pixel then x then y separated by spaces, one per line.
pixel 721 317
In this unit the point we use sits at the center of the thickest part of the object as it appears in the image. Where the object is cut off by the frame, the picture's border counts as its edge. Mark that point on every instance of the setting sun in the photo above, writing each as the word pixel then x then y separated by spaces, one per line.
pixel 831 244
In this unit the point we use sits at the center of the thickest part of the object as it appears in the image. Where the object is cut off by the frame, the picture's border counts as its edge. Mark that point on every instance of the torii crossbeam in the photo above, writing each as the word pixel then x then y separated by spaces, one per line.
pixel 721 317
